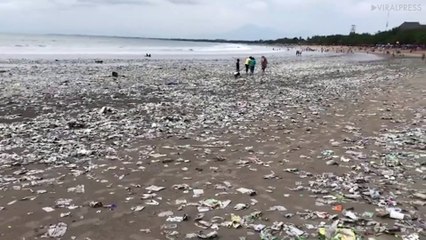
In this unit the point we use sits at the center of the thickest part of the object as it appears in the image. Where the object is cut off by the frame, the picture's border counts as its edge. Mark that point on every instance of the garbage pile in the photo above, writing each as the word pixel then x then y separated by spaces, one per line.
pixel 157 152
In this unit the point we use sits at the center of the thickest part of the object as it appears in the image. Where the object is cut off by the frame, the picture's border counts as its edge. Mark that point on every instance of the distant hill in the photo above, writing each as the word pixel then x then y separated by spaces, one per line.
pixel 249 32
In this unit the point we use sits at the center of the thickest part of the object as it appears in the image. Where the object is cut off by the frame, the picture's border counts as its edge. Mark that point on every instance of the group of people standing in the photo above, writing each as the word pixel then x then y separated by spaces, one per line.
pixel 250 65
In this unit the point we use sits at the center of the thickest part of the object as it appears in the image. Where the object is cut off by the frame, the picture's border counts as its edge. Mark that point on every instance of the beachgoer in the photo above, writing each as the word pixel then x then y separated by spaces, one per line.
pixel 252 64
pixel 246 64
pixel 237 65
pixel 423 56
pixel 264 63
pixel 237 68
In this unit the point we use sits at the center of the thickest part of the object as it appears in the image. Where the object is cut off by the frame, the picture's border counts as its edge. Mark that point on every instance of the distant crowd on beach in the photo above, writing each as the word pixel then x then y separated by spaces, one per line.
pixel 393 50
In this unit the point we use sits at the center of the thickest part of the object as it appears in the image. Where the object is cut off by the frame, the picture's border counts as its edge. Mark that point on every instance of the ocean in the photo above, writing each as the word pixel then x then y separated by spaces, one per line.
pixel 26 46
pixel 21 45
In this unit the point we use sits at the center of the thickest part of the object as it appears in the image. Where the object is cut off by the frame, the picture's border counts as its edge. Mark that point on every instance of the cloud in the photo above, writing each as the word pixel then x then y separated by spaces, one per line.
pixel 129 2
pixel 190 2
pixel 198 18
pixel 258 5
pixel 115 2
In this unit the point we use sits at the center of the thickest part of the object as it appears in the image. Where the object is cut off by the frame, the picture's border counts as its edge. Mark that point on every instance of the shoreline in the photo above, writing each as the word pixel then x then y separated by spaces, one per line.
pixel 282 53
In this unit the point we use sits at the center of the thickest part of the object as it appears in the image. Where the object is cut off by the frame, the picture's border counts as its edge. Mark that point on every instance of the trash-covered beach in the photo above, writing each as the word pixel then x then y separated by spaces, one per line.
pixel 318 147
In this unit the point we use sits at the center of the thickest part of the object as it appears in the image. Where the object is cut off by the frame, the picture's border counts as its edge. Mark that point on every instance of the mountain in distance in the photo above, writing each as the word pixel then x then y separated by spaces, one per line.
pixel 250 32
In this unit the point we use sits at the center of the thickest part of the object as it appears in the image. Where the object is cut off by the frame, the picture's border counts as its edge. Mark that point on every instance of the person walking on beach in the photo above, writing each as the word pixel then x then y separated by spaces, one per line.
pixel 252 65
pixel 246 64
pixel 237 68
pixel 264 63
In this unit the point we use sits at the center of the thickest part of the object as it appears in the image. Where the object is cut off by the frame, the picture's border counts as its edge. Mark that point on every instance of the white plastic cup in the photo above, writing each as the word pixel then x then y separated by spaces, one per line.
pixel 396 215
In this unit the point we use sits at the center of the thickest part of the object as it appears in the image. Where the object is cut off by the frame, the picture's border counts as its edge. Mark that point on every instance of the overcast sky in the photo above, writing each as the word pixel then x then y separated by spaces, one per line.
pixel 205 18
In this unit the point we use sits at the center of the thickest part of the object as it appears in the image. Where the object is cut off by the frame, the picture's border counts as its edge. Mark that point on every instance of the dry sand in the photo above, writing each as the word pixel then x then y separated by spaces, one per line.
pixel 202 129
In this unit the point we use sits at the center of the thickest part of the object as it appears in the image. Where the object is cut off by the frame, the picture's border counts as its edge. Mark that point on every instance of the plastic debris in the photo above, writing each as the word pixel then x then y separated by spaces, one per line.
pixel 210 235
pixel 240 206
pixel 48 209
pixel 327 143
pixel 57 230
pixel 338 208
pixel 77 189
pixel 350 215
pixel 198 192
pixel 258 227
pixel 413 236
pixel 177 218
pixel 247 191
pixel 165 214
pixel 278 208
pixel 420 196
pixel 154 188
pixel 95 204
pixel 138 208
pixel 65 214
pixel 337 234
pixel 293 231
pixel 395 214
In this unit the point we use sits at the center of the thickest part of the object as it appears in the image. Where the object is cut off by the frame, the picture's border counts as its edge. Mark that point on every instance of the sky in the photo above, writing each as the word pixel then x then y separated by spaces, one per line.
pixel 231 19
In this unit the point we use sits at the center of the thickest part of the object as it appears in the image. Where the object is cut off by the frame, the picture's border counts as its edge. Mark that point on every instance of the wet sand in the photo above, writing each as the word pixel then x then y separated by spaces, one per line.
pixel 310 134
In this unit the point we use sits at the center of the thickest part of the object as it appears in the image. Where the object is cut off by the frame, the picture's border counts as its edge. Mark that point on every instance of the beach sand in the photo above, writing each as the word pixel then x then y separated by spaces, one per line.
pixel 387 52
pixel 185 125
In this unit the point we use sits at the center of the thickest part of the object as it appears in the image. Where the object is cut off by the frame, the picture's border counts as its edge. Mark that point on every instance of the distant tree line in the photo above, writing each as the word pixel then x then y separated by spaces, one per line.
pixel 404 37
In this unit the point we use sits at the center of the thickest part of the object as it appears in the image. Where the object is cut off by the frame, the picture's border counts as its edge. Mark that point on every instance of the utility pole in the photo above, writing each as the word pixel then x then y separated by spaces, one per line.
pixel 353 29
pixel 387 20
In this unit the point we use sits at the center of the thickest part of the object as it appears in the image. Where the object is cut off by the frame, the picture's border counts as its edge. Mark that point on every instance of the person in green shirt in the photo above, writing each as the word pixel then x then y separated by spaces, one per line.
pixel 252 65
